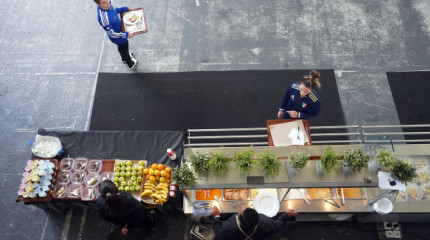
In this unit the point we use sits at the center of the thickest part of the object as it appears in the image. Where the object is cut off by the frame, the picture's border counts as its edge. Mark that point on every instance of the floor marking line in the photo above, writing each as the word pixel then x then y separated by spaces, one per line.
pixel 46 223
pixel 81 226
pixel 66 225
pixel 93 95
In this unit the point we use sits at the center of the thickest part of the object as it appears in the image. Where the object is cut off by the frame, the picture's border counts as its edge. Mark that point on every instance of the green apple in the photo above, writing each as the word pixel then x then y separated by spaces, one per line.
pixel 123 184
pixel 117 163
pixel 134 168
pixel 137 188
pixel 140 168
pixel 123 168
pixel 128 174
pixel 134 173
pixel 129 163
pixel 139 179
pixel 140 173
pixel 133 178
pixel 121 188
pixel 123 163
pixel 122 174
pixel 127 189
pixel 117 174
pixel 132 188
pixel 128 169
pixel 121 179
pixel 115 179
pixel 136 183
pixel 141 163
pixel 116 184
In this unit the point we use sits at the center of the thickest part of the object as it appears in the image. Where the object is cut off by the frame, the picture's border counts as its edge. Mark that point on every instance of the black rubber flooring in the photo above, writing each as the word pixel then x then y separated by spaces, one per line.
pixel 192 100
pixel 411 94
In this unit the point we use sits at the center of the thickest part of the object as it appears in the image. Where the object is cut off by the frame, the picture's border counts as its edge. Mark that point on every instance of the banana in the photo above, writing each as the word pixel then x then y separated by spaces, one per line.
pixel 147 193
pixel 149 184
pixel 162 188
pixel 163 184
pixel 157 197
pixel 160 201
pixel 164 192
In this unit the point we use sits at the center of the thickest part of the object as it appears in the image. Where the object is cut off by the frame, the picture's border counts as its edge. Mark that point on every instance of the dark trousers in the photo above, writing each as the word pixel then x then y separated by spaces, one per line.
pixel 125 56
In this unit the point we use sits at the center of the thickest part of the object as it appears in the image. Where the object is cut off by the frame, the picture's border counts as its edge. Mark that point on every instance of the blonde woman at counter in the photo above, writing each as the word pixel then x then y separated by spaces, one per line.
pixel 248 224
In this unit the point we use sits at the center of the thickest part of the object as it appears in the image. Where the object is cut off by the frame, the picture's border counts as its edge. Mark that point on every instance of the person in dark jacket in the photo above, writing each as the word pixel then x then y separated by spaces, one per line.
pixel 121 208
pixel 111 23
pixel 301 100
pixel 248 224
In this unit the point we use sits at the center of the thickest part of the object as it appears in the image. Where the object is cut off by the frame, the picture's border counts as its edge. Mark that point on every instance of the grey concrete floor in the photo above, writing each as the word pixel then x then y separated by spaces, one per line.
pixel 52 51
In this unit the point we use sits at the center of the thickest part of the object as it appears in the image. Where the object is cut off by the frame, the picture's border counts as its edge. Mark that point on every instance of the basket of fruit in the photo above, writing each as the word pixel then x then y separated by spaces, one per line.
pixel 155 189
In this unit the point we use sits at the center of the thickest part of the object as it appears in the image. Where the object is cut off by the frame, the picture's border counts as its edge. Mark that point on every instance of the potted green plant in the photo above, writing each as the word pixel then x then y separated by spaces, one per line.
pixel 356 159
pixel 200 163
pixel 385 158
pixel 269 162
pixel 329 159
pixel 244 161
pixel 184 176
pixel 218 163
pixel 298 160
pixel 403 171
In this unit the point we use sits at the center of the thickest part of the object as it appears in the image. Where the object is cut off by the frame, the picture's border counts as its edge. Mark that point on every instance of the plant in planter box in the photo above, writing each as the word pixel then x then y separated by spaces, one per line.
pixel 403 171
pixel 298 160
pixel 244 160
pixel 269 162
pixel 184 176
pixel 329 159
pixel 385 158
pixel 218 163
pixel 200 163
pixel 356 159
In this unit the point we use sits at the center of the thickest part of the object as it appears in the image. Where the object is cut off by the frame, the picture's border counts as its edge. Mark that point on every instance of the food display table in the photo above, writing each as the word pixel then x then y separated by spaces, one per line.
pixel 310 178
pixel 108 146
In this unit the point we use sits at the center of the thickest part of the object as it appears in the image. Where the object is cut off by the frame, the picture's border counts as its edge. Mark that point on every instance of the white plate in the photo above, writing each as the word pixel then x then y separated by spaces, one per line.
pixel 266 203
pixel 129 14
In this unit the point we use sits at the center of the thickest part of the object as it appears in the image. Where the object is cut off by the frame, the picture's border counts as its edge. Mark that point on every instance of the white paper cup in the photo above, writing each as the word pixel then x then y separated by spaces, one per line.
pixel 383 206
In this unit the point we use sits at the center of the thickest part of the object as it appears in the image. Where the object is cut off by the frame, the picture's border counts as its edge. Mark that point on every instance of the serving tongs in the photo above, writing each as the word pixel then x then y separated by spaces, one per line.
pixel 332 201
pixel 240 203
pixel 343 197
pixel 219 205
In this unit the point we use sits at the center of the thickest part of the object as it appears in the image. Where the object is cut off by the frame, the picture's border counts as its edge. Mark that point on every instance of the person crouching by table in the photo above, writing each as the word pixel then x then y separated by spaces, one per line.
pixel 248 224
pixel 122 209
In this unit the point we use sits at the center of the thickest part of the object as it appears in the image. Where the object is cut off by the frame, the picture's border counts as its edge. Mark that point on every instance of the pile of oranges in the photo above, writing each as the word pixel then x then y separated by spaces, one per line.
pixel 158 173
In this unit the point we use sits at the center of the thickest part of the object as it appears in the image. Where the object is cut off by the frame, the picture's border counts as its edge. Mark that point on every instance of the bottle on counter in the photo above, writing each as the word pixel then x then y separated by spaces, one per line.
pixel 172 194
pixel 171 153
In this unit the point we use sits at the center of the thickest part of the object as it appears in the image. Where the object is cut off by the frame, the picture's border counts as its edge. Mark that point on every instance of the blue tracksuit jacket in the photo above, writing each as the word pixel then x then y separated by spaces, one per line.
pixel 111 23
pixel 307 107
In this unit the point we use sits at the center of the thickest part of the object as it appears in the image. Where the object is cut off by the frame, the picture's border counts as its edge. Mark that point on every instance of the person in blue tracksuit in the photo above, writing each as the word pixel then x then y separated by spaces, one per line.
pixel 301 101
pixel 111 23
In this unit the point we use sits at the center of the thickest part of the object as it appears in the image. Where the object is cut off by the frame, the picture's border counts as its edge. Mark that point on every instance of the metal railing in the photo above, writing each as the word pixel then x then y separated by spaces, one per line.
pixel 396 133
pixel 320 135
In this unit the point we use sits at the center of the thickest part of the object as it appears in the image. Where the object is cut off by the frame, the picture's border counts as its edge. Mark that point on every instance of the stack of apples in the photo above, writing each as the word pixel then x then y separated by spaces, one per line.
pixel 128 176
pixel 158 177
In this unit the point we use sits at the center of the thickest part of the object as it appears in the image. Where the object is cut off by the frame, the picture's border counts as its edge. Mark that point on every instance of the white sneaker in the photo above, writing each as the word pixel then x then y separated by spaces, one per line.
pixel 131 56
pixel 134 65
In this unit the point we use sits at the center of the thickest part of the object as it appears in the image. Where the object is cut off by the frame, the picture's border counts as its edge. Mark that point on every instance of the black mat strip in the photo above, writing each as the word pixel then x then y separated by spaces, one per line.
pixel 411 94
pixel 192 100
